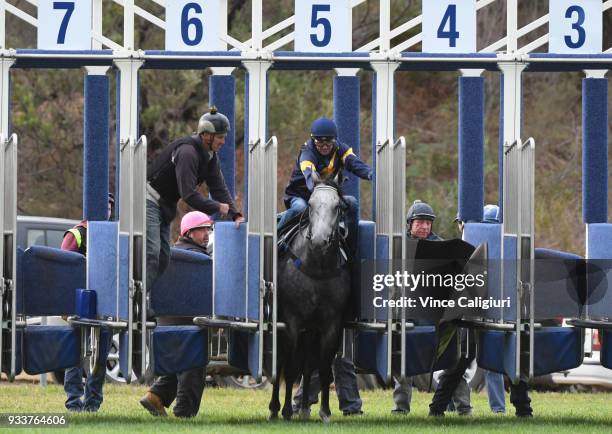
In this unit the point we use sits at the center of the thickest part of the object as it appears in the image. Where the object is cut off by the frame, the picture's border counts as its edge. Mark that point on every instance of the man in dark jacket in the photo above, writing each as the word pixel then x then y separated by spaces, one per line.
pixel 450 380
pixel 419 226
pixel 186 387
pixel 176 174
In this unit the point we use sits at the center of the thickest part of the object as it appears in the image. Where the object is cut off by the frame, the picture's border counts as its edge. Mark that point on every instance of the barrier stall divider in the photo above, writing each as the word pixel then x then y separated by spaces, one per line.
pixel 132 203
pixel 3 283
pixel 384 125
pixel 270 164
pixel 138 249
pixel 510 229
pixel 5 103
pixel 528 154
pixel 9 259
pixel 399 232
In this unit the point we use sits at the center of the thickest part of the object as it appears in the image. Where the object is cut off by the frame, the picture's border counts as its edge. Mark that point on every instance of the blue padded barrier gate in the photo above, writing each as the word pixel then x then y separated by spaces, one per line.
pixel 421 346
pixel 371 352
pixel 555 349
pixel 229 263
pixel 253 279
pixel 50 348
pixel 185 287
pixel 599 247
pixel 49 279
pixel 605 355
pixel 365 252
pixel 178 348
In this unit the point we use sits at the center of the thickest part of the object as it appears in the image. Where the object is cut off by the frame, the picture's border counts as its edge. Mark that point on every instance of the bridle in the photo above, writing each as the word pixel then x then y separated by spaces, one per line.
pixel 336 234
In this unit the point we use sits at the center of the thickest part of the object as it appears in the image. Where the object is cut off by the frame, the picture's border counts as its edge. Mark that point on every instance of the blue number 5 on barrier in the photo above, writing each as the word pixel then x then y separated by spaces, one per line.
pixel 64 25
pixel 449 26
pixel 575 26
pixel 323 26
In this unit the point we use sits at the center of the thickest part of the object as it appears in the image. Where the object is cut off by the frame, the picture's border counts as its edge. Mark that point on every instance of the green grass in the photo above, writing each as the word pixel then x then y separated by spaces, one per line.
pixel 243 411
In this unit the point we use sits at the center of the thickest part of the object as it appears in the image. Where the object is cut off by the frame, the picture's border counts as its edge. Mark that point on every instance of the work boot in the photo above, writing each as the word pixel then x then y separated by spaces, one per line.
pixel 153 404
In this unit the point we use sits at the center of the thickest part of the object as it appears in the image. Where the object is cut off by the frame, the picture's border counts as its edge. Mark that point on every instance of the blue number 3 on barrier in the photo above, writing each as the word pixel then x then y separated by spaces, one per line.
pixel 575 26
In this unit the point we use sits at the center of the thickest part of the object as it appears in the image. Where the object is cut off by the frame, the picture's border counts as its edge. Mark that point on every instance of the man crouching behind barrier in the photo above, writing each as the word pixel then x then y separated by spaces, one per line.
pixel 186 387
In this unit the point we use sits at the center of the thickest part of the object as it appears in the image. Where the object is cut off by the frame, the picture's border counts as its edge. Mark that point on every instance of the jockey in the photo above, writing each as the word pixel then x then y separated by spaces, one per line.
pixel 324 156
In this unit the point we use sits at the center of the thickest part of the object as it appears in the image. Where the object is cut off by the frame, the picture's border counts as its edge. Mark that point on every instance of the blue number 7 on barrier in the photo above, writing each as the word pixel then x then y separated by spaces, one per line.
pixel 69 7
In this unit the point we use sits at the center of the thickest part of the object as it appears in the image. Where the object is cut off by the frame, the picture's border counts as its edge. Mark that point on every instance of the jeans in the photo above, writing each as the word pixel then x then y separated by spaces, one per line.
pixel 158 243
pixel 495 391
pixel 92 390
pixel 402 396
pixel 297 206
pixel 351 217
pixel 345 380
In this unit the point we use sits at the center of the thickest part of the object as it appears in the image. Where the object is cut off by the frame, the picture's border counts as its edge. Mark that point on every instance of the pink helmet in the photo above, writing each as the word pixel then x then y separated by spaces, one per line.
pixel 193 220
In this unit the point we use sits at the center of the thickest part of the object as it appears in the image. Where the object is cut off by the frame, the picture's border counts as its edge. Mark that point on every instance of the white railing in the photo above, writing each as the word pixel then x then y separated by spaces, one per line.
pixel 385 41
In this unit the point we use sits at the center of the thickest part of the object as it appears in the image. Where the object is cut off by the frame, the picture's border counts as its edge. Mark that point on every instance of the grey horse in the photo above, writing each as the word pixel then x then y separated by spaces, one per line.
pixel 313 292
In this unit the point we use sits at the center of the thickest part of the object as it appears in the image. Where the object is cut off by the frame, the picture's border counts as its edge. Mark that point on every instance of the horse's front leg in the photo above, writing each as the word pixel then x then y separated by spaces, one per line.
pixel 290 369
pixel 275 401
pixel 329 347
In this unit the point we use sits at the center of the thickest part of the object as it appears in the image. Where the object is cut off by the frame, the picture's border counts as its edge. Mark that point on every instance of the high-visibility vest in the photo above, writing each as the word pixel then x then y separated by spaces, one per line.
pixel 80 235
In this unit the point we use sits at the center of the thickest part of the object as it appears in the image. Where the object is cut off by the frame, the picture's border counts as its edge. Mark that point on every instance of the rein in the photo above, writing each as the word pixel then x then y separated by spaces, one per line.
pixel 336 235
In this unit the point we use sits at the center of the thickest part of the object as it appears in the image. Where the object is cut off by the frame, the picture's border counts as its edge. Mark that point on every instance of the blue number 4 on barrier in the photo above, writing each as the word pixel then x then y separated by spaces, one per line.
pixel 186 22
pixel 577 25
pixel 315 22
pixel 450 17
pixel 69 8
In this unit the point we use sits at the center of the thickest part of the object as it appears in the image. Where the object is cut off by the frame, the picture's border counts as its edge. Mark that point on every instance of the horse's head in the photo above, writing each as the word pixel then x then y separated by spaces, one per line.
pixel 325 211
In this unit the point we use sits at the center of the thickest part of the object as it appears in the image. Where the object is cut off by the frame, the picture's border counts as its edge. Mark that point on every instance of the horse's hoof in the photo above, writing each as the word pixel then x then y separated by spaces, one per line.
pixel 287 416
pixel 273 416
pixel 304 414
pixel 326 418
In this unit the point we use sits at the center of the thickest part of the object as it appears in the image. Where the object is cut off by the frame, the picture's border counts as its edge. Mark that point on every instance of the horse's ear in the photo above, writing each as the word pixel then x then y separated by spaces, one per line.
pixel 338 178
pixel 315 178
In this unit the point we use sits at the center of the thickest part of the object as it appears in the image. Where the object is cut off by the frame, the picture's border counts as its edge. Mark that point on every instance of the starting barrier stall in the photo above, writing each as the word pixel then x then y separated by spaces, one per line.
pixel 241 293
pixel 9 337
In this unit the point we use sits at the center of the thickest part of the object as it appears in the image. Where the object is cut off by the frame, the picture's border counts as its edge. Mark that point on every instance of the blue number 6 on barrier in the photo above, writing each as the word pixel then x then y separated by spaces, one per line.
pixel 576 26
pixel 195 25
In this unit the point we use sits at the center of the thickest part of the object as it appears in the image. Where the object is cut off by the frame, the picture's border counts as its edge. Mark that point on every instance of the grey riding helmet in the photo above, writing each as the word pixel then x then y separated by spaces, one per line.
pixel 214 122
pixel 420 210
